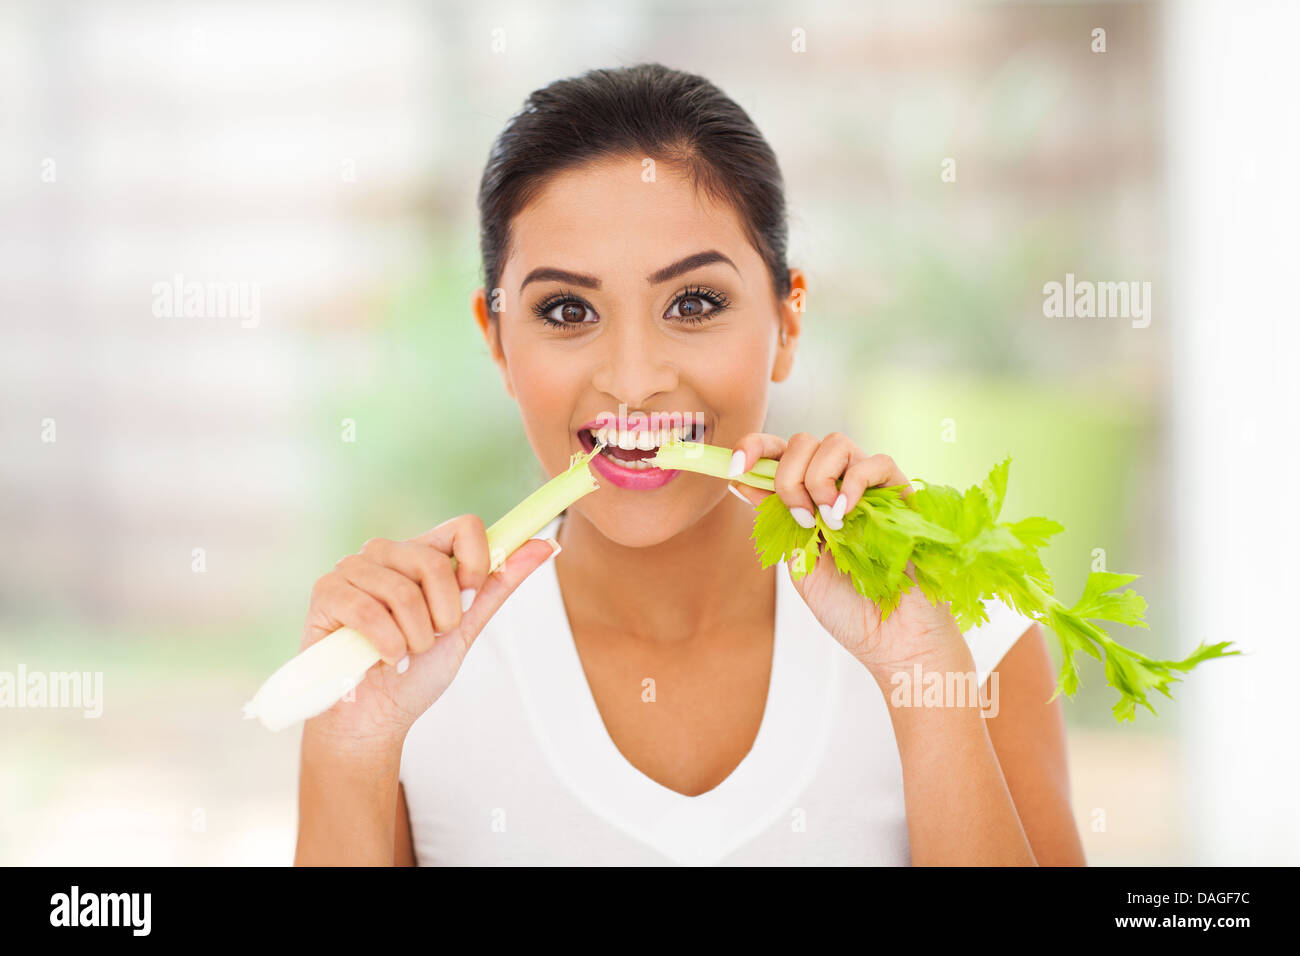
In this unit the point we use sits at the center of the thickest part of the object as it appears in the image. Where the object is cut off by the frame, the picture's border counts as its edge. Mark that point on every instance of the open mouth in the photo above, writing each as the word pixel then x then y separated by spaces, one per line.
pixel 633 449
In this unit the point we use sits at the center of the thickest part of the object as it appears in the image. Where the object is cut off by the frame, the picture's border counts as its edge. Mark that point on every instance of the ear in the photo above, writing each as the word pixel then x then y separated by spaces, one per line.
pixel 790 317
pixel 491 329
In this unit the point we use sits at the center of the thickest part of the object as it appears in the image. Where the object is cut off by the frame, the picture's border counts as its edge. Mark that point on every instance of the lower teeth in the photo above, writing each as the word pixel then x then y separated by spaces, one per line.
pixel 640 465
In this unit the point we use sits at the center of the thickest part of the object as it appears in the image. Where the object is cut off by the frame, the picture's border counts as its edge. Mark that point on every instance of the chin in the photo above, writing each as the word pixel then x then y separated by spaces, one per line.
pixel 641 522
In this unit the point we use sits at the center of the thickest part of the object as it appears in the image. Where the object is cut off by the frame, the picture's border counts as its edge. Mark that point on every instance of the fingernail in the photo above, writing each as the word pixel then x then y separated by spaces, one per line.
pixel 736 491
pixel 841 503
pixel 403 664
pixel 804 517
pixel 737 467
pixel 555 547
pixel 828 515
pixel 467 598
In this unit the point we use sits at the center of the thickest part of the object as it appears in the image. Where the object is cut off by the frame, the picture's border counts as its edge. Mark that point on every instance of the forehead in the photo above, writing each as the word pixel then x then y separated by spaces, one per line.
pixel 603 218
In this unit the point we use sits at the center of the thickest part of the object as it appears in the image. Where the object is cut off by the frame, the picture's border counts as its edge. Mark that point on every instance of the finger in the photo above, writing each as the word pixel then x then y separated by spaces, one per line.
pixel 751 448
pixel 464 538
pixel 430 568
pixel 403 597
pixel 748 494
pixel 501 583
pixel 348 606
pixel 433 571
pixel 828 463
pixel 789 481
pixel 871 472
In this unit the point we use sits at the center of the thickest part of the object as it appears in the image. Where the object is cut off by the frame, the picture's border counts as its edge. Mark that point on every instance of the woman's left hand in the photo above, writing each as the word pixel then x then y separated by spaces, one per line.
pixel 807 473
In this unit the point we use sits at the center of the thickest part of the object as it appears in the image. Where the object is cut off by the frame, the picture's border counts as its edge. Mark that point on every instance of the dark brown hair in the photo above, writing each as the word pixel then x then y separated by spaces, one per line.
pixel 645 110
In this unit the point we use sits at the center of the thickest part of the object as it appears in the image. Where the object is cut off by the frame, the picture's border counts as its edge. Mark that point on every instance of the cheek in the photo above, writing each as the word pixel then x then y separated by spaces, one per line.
pixel 547 393
pixel 734 375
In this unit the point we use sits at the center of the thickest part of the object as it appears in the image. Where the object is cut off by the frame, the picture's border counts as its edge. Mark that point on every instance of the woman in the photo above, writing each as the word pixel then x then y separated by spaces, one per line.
pixel 653 695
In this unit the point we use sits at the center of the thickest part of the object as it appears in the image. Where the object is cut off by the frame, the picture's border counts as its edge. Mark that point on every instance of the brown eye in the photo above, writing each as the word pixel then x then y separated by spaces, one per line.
pixel 691 305
pixel 565 312
pixel 695 305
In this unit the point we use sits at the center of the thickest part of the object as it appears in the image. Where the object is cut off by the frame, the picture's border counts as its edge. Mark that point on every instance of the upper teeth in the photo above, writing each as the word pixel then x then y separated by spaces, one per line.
pixel 644 439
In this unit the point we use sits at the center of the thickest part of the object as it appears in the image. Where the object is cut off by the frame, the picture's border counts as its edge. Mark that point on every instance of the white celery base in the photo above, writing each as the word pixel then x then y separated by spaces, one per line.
pixel 310 683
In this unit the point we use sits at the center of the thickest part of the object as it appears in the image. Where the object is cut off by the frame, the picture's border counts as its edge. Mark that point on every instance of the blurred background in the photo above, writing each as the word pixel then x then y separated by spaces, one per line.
pixel 170 487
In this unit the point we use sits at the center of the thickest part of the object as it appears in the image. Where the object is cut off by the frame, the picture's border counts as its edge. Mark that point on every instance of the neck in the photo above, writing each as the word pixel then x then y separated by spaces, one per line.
pixel 705 580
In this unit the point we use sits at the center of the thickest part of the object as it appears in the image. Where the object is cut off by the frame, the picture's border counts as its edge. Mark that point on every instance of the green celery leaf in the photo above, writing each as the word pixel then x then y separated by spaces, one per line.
pixel 960 553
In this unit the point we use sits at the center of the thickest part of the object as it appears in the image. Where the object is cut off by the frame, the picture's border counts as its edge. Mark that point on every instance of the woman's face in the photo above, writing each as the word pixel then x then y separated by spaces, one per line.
pixel 618 335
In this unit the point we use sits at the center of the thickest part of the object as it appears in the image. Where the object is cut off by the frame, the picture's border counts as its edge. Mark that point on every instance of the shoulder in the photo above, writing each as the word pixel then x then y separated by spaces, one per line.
pixel 991 641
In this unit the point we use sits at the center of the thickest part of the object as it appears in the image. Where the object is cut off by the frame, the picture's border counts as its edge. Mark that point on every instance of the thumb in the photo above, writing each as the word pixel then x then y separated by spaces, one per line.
pixel 501 583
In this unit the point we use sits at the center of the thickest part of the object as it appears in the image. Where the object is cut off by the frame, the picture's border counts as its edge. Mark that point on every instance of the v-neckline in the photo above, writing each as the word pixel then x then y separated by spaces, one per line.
pixel 698 829
pixel 767 692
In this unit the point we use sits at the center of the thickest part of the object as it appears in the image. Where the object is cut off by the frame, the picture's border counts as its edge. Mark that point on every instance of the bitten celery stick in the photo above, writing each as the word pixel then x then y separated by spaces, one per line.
pixel 961 554
pixel 712 460
pixel 312 682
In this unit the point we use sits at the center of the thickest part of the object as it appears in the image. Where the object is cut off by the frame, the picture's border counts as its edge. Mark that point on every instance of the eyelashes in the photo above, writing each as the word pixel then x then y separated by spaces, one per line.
pixel 717 300
pixel 548 305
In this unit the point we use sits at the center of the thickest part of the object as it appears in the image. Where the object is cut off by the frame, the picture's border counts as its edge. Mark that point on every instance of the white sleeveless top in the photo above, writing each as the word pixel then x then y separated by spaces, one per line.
pixel 513 765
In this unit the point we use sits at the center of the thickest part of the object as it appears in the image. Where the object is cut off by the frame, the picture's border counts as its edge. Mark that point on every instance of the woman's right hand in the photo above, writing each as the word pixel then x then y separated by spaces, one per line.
pixel 406 598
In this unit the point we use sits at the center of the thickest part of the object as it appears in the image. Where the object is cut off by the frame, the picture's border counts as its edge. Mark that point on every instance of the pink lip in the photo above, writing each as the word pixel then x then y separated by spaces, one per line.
pixel 644 479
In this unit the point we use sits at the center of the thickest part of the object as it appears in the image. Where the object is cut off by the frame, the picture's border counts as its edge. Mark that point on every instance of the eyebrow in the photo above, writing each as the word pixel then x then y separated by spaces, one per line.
pixel 663 275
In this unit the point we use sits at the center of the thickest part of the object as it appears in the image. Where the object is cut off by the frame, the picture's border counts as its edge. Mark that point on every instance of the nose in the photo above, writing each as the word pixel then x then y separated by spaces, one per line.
pixel 635 365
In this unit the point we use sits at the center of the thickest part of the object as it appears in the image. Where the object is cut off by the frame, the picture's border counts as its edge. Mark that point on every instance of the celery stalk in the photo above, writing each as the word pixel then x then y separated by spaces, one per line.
pixel 713 460
pixel 313 681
